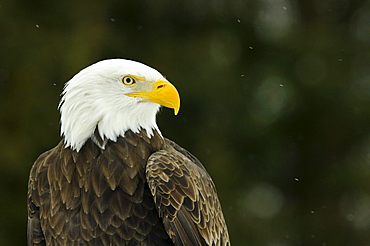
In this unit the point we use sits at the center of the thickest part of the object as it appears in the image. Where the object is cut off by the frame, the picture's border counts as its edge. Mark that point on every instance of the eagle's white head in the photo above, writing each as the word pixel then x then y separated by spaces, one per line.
pixel 115 96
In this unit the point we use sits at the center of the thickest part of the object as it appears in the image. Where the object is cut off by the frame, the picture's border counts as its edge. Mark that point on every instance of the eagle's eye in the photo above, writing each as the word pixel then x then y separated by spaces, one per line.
pixel 128 80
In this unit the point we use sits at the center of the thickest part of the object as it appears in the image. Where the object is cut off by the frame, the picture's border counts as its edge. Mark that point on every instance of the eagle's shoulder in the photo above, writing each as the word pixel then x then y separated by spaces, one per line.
pixel 38 193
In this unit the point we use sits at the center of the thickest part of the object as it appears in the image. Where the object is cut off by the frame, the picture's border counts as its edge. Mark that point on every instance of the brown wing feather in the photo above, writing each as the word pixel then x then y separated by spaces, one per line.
pixel 35 235
pixel 186 198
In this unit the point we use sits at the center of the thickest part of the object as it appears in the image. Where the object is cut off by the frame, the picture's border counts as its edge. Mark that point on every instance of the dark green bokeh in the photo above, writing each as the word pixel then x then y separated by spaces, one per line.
pixel 275 103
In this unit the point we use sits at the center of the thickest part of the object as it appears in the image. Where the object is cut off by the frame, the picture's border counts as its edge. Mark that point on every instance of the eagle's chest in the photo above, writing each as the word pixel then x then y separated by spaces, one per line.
pixel 102 198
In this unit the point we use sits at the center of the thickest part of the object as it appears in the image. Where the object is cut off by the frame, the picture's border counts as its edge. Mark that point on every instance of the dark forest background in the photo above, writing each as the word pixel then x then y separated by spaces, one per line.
pixel 275 103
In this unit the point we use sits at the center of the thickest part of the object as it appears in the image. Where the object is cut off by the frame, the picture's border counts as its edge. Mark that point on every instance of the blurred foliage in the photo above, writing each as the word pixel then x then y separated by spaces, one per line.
pixel 275 102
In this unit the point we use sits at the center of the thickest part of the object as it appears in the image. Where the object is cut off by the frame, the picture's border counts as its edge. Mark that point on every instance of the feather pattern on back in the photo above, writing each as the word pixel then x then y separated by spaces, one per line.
pixel 95 196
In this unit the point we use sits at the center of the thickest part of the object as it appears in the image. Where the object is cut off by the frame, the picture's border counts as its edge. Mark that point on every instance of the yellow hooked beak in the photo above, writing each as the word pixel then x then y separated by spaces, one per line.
pixel 163 93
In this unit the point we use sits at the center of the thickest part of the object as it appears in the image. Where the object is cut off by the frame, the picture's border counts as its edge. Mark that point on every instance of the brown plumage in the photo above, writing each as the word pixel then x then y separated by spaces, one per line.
pixel 105 196
pixel 138 189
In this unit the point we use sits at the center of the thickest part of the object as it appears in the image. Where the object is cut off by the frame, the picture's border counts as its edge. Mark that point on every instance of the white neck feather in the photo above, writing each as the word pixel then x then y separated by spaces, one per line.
pixel 78 123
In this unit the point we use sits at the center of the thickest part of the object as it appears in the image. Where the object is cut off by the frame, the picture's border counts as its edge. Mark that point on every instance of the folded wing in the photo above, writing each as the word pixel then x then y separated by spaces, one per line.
pixel 186 198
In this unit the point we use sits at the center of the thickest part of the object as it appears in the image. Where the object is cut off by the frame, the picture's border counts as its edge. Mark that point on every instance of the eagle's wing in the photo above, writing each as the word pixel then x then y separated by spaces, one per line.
pixel 35 235
pixel 186 198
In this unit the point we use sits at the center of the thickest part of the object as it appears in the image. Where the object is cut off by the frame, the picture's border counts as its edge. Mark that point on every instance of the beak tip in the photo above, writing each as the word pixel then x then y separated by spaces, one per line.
pixel 176 111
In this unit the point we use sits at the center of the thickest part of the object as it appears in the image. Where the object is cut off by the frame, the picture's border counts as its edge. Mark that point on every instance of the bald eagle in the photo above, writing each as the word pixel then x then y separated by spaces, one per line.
pixel 114 179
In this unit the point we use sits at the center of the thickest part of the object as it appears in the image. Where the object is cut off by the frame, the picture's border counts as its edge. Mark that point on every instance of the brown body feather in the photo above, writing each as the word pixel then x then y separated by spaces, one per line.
pixel 105 196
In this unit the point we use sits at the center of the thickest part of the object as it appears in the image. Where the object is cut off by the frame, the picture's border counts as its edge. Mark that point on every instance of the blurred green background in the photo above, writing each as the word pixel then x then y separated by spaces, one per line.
pixel 275 103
